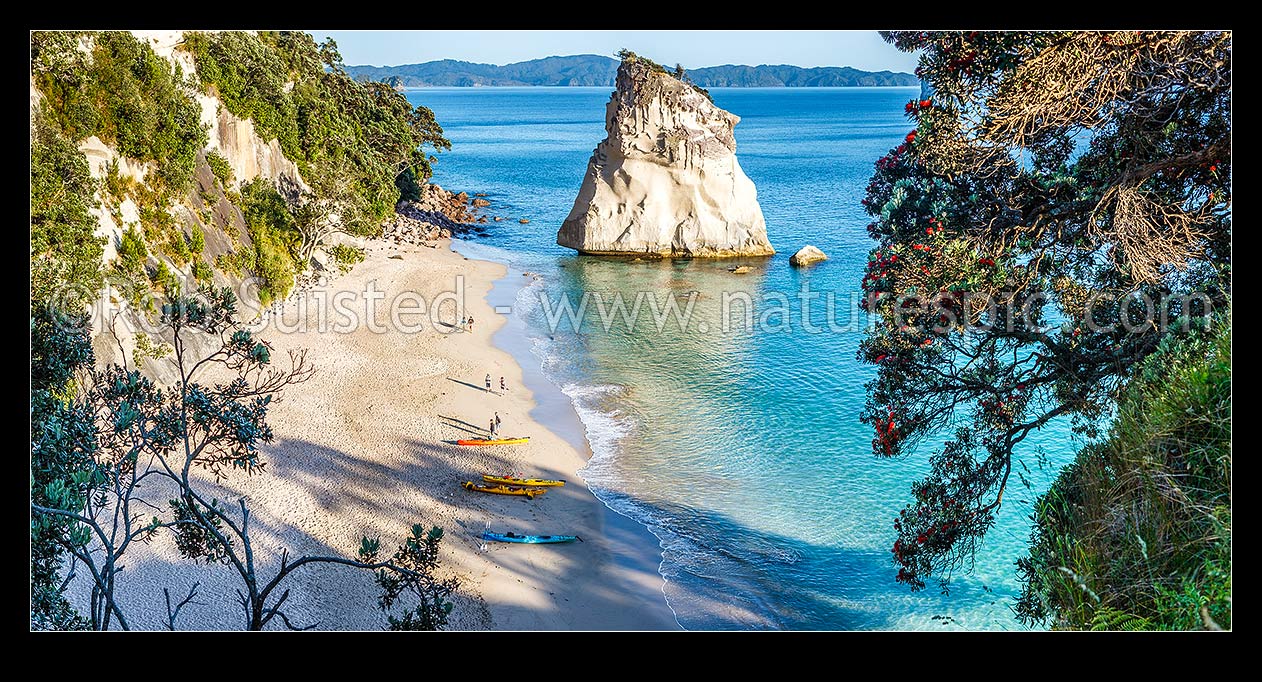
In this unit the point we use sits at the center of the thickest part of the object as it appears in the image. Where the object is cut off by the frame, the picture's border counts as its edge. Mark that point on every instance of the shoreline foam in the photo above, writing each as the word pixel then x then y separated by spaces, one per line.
pixel 641 551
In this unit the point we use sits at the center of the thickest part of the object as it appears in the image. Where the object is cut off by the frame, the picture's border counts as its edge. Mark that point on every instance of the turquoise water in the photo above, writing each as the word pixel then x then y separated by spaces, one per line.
pixel 741 450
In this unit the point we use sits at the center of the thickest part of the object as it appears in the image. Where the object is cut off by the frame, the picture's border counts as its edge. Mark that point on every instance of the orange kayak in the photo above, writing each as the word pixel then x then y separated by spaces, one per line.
pixel 498 441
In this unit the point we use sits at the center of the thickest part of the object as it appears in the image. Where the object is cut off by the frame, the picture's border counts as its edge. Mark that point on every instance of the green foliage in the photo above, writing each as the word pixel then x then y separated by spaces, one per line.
pixel 219 166
pixel 628 56
pixel 199 531
pixel 678 73
pixel 418 558
pixel 176 246
pixel 274 238
pixel 63 442
pixel 1136 533
pixel 327 123
pixel 124 94
pixel 1052 180
pixel 1107 619
pixel 132 252
pixel 409 185
pixel 209 198
pixel 233 263
pixel 165 279
pixel 197 240
pixel 346 256
pixel 146 349
pixel 202 272
pixel 117 187
pixel 65 253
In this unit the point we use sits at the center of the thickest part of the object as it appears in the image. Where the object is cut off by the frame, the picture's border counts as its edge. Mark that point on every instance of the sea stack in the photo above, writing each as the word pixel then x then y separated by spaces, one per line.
pixel 665 180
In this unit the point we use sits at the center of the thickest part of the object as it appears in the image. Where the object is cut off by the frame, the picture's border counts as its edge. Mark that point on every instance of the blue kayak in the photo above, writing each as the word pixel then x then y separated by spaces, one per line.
pixel 529 539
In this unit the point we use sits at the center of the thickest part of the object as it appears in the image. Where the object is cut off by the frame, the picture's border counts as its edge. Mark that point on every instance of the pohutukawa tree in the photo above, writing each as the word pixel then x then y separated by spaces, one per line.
pixel 1063 204
pixel 116 462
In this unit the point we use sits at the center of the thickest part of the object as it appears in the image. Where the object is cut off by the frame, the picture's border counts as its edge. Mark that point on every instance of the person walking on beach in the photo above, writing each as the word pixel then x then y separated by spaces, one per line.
pixel 502 386
pixel 470 323
pixel 492 429
pixel 464 322
pixel 497 421
pixel 488 383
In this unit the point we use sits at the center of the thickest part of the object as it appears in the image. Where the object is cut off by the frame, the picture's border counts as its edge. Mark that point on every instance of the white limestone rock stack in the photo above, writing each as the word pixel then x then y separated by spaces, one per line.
pixel 665 180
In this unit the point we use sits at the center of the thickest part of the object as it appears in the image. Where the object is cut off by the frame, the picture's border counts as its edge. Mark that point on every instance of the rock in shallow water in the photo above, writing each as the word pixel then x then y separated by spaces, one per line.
pixel 806 255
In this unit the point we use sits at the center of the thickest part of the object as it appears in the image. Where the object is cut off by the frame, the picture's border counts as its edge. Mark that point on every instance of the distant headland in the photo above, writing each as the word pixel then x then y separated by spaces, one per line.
pixel 598 70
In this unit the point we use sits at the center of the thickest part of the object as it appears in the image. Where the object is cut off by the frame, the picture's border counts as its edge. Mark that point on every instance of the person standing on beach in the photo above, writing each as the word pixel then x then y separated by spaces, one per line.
pixel 497 421
pixel 470 323
pixel 492 429
pixel 488 383
pixel 464 323
pixel 502 386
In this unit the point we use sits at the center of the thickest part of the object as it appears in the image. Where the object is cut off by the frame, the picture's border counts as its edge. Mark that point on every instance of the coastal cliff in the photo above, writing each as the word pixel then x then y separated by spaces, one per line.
pixel 161 165
pixel 665 180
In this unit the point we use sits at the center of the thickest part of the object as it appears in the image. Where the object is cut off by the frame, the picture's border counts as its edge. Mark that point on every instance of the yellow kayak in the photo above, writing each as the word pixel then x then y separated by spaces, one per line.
pixel 500 441
pixel 528 493
pixel 509 480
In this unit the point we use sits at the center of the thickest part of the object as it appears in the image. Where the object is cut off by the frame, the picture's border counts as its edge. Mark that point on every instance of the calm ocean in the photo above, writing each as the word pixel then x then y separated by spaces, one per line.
pixel 742 451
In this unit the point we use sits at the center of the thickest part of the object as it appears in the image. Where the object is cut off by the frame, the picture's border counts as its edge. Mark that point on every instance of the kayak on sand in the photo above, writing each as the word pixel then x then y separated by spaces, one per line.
pixel 498 441
pixel 528 493
pixel 529 539
pixel 509 480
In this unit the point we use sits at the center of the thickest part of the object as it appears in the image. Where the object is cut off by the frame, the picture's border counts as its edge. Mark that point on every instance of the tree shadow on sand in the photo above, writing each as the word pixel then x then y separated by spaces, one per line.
pixel 347 495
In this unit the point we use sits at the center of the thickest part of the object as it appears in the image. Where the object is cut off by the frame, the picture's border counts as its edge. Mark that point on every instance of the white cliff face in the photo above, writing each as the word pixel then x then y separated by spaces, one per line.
pixel 665 181
pixel 248 154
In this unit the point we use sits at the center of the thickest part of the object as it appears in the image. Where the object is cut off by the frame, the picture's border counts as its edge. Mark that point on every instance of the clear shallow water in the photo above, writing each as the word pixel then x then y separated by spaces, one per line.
pixel 741 451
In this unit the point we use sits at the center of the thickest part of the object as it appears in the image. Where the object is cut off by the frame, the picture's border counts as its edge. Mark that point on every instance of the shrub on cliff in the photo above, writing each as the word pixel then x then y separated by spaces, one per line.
pixel 123 93
pixel 679 72
pixel 65 251
pixel 1051 179
pixel 220 167
pixel 272 235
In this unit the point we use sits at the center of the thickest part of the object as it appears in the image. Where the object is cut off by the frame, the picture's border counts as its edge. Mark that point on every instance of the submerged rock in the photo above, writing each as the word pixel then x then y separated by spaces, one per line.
pixel 665 180
pixel 806 255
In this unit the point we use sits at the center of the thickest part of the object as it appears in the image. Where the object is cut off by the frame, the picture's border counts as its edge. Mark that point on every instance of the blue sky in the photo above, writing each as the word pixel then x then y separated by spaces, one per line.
pixel 860 49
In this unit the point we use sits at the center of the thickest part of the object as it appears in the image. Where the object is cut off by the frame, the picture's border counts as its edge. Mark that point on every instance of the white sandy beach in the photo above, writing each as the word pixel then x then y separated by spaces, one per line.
pixel 362 449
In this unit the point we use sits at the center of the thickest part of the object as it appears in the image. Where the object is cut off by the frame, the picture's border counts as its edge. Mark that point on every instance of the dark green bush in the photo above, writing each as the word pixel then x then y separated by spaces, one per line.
pixel 65 253
pixel 219 166
pixel 346 256
pixel 274 238
pixel 132 252
pixel 124 94
pixel 202 272
pixel 1136 533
